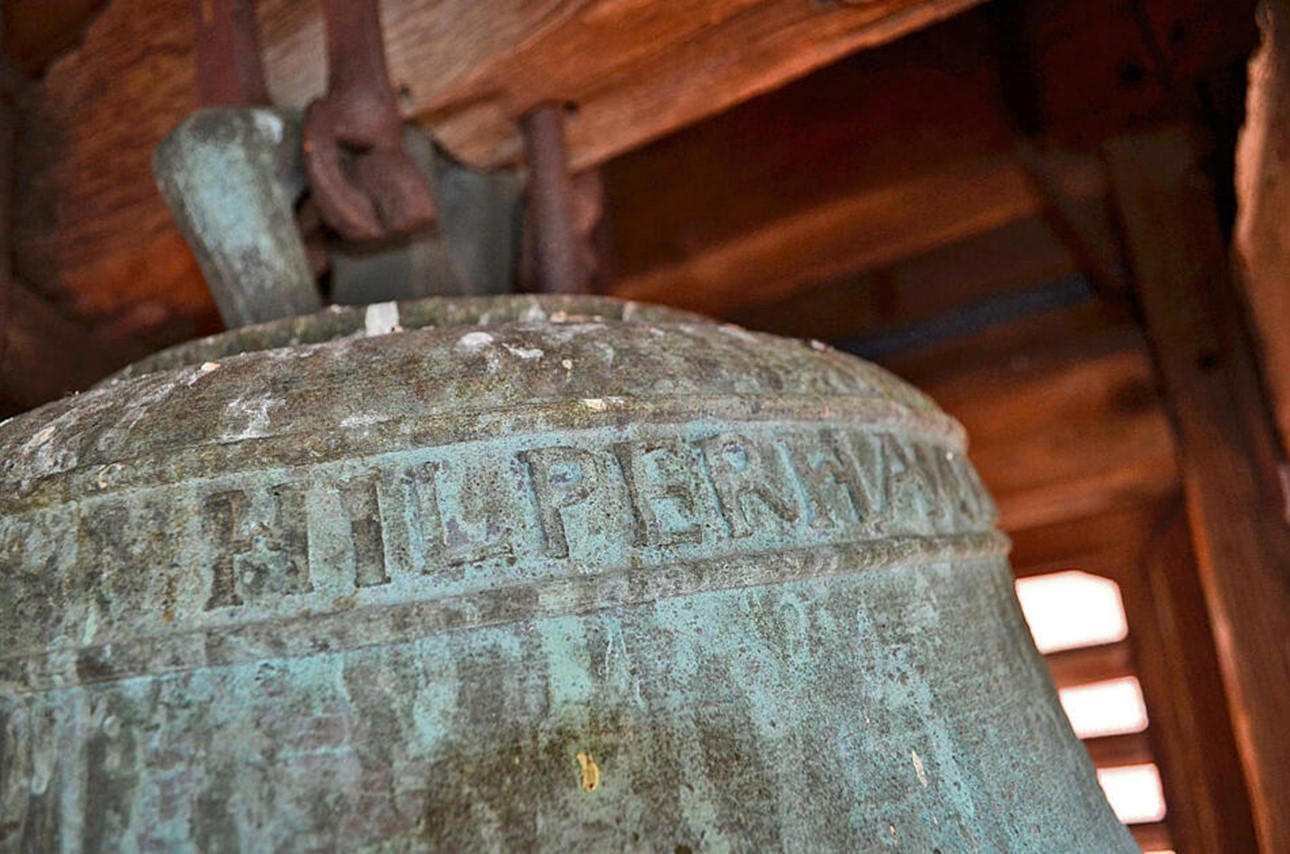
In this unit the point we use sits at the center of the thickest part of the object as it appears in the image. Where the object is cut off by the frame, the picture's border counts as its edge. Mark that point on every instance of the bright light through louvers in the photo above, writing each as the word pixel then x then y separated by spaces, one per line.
pixel 1067 610
pixel 1134 792
pixel 1105 708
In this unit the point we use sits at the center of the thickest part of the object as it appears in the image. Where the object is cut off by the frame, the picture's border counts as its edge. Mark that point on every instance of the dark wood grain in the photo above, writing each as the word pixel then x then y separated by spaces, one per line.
pixel 36 32
pixel 875 226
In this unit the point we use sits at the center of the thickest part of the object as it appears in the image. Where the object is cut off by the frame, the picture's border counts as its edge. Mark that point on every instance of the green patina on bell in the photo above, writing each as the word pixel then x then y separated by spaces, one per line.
pixel 522 573
pixel 504 573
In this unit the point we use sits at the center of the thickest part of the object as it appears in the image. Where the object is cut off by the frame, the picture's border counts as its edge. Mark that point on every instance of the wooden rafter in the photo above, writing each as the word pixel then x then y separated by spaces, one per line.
pixel 1062 414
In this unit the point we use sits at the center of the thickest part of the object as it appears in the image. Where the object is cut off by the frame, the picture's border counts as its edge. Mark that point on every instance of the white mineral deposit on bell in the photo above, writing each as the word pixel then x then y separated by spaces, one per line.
pixel 247 419
pixel 202 370
pixel 524 352
pixel 474 341
pixel 738 332
pixel 381 318
pixel 363 419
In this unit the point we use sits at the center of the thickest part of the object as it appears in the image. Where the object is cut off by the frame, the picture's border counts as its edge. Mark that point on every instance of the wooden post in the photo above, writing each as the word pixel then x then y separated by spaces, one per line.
pixel 1260 242
pixel 1191 730
pixel 1227 446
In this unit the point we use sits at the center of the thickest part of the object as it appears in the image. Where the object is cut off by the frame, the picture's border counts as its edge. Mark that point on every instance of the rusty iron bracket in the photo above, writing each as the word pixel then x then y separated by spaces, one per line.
pixel 563 210
pixel 229 69
pixel 472 252
pixel 233 177
pixel 557 267
pixel 364 183
pixel 235 174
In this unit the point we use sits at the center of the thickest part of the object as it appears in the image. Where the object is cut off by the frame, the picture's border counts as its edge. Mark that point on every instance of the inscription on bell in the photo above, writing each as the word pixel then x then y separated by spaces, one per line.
pixel 662 485
pixel 258 544
pixel 582 503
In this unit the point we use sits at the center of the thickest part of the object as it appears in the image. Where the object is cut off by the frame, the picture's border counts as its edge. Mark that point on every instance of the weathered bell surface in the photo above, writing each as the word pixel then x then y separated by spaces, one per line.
pixel 534 573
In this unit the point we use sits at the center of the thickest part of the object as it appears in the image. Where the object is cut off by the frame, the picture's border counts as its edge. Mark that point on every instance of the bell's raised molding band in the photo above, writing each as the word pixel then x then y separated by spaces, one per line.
pixel 76 454
pixel 310 634
pixel 475 518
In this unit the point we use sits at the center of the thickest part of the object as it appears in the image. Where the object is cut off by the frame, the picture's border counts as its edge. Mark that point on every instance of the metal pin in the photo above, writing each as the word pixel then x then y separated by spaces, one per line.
pixel 555 241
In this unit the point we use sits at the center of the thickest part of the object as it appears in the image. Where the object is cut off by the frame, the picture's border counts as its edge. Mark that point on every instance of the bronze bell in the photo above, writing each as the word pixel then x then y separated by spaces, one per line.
pixel 503 573
pixel 516 573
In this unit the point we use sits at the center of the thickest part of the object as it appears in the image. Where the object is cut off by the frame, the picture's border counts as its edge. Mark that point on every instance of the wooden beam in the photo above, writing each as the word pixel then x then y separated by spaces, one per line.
pixel 1152 836
pixel 860 124
pixel 1109 544
pixel 1073 667
pixel 1191 731
pixel 1228 448
pixel 1117 751
pixel 1262 247
pixel 919 288
pixel 877 226
pixel 637 69
pixel 1062 413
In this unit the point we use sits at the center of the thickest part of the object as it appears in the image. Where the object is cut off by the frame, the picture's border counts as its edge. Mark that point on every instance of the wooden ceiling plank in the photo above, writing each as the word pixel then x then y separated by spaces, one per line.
pixel 918 288
pixel 862 123
pixel 1108 544
pixel 875 227
pixel 1062 413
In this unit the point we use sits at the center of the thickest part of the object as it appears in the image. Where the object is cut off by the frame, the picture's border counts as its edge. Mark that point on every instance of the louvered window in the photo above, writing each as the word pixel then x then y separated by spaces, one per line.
pixel 1079 624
